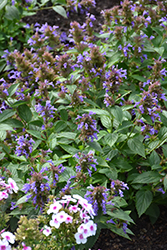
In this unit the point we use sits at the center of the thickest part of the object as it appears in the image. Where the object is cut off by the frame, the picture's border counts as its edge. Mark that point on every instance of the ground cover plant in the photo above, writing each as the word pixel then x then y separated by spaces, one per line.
pixel 83 130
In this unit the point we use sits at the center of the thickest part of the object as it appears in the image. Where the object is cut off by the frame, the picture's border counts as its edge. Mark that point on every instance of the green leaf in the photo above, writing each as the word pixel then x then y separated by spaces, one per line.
pixel 37 123
pixel 95 145
pixel 60 10
pixel 153 211
pixel 36 134
pixel 2 4
pixel 120 214
pixel 154 158
pixel 111 139
pixel 4 126
pixel 110 173
pixel 165 182
pixel 136 146
pixel 117 113
pixel 12 89
pixel 59 126
pixel 22 200
pixel 160 50
pixel 106 121
pixel 147 177
pixel 69 135
pixel 143 201
pixel 25 112
pixel 6 114
pixel 3 135
pixel 114 59
pixel 14 123
pixel 67 173
pixel 12 13
pixel 139 78
pixel 71 150
pixel 101 161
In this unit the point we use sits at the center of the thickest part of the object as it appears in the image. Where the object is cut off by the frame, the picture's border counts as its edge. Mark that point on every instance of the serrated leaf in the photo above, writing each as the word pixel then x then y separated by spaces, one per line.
pixel 22 200
pixel 154 158
pixel 4 126
pixel 60 10
pixel 36 134
pixel 160 50
pixel 147 177
pixel 143 201
pixel 95 145
pixel 110 173
pixel 6 114
pixel 12 89
pixel 59 126
pixel 71 150
pixel 139 78
pixel 111 139
pixel 106 121
pixel 25 112
pixel 3 135
pixel 136 146
pixel 165 182
pixel 14 123
pixel 2 4
pixel 117 113
pixel 120 214
pixel 12 13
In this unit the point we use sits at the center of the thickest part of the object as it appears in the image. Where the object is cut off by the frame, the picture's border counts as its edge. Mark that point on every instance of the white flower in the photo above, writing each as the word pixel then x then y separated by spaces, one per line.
pixel 54 208
pixel 68 219
pixel 47 230
pixel 68 198
pixel 4 245
pixel 13 185
pixel 80 238
pixel 74 208
pixel 3 195
pixel 9 237
pixel 54 222
pixel 84 230
pixel 61 217
pixel 92 227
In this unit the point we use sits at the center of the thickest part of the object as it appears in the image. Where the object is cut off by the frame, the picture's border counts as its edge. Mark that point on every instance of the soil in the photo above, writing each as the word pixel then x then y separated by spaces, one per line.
pixel 146 235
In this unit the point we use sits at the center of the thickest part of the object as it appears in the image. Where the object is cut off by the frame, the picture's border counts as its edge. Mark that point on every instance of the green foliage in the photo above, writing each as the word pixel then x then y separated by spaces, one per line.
pixel 88 119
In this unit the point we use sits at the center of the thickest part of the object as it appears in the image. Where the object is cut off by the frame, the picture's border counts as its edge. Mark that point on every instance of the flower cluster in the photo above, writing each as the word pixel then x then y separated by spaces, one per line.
pixel 25 145
pixel 87 125
pixel 98 197
pixel 85 162
pixel 47 111
pixel 38 186
pixel 6 238
pixel 72 216
pixel 117 187
pixel 113 79
pixel 7 188
pixel 56 171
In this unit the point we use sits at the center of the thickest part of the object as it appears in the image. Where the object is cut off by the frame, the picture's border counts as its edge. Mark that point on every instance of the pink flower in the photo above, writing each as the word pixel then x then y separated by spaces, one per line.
pixel 54 222
pixel 54 208
pixel 13 185
pixel 9 237
pixel 47 230
pixel 4 245
pixel 3 195
pixel 80 238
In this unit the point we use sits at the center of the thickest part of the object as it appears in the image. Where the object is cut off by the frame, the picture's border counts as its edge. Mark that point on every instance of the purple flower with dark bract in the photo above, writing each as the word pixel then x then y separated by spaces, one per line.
pixel 25 145
pixel 85 162
pixel 87 125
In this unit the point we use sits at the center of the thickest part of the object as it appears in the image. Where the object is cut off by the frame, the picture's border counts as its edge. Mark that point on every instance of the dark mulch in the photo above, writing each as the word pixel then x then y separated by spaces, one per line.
pixel 146 235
